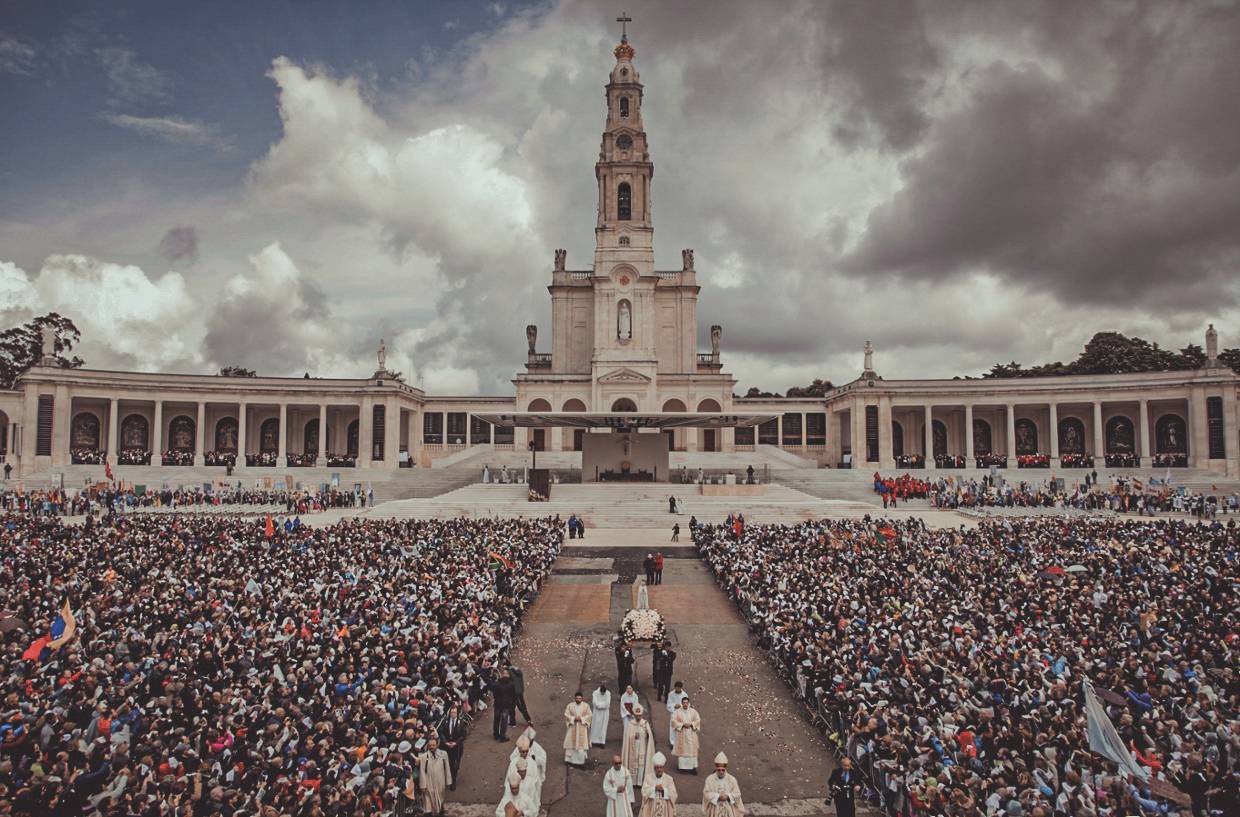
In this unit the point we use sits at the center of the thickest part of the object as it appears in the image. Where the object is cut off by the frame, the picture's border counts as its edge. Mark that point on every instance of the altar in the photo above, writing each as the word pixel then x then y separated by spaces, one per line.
pixel 623 456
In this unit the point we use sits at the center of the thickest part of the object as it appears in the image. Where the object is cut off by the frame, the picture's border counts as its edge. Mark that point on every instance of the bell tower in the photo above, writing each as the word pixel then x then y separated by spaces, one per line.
pixel 624 169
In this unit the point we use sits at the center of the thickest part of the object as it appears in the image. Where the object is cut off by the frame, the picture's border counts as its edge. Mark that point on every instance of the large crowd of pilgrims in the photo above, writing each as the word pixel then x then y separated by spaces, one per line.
pixel 1122 495
pixel 216 666
pixel 124 498
pixel 949 662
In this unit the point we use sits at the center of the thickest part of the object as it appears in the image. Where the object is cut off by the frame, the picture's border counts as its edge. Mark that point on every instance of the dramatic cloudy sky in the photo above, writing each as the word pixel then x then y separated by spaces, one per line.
pixel 278 184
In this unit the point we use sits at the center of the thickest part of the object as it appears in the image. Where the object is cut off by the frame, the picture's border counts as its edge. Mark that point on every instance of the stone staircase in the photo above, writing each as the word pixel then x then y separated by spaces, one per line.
pixel 623 505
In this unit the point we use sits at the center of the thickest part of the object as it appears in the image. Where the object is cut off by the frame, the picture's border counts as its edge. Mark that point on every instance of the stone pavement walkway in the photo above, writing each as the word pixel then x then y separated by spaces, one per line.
pixel 780 760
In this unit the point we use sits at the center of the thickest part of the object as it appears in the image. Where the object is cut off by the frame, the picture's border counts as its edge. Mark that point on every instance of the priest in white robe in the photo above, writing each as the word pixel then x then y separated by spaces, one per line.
pixel 659 791
pixel 577 733
pixel 618 788
pixel 687 726
pixel 531 787
pixel 638 749
pixel 515 804
pixel 721 794
pixel 523 763
pixel 537 755
pixel 434 777
pixel 673 702
pixel 601 703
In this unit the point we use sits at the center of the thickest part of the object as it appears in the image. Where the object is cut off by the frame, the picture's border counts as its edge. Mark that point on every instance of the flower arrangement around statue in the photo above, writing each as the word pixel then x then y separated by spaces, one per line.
pixel 643 625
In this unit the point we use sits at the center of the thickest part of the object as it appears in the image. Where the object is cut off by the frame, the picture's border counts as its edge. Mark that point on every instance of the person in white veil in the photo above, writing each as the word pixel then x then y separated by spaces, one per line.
pixel 601 702
pixel 627 701
pixel 643 596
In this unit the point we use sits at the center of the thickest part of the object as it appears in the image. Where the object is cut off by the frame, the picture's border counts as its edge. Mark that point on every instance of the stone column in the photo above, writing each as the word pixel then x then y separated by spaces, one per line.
pixel 1199 446
pixel 62 417
pixel 321 459
pixel 242 427
pixel 365 432
pixel 1011 435
pixel 858 434
pixel 391 433
pixel 886 459
pixel 928 435
pixel 1231 418
pixel 282 441
pixel 968 435
pixel 200 434
pixel 1054 431
pixel 413 439
pixel 1099 445
pixel 157 434
pixel 113 425
pixel 1144 414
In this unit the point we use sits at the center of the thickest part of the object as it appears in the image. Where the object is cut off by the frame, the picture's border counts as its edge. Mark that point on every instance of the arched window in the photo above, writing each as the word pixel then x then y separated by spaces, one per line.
pixel 624 106
pixel 269 436
pixel 1026 436
pixel 624 202
pixel 1120 437
pixel 981 437
pixel 938 433
pixel 1071 436
pixel 226 434
pixel 624 241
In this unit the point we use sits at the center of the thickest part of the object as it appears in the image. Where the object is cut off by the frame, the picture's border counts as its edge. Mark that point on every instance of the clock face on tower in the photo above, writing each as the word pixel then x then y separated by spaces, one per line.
pixel 624 141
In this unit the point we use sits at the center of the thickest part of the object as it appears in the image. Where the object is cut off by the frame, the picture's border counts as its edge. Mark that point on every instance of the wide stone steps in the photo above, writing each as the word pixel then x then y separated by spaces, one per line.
pixel 622 506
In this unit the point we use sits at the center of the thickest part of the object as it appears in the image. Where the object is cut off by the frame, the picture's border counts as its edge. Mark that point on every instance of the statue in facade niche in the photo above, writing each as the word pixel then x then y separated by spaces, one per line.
pixel 716 332
pixel 560 256
pixel 531 336
pixel 624 321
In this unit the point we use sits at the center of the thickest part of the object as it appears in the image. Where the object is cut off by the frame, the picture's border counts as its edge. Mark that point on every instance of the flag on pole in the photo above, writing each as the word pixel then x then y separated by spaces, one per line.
pixel 497 557
pixel 1103 739
pixel 107 470
pixel 886 533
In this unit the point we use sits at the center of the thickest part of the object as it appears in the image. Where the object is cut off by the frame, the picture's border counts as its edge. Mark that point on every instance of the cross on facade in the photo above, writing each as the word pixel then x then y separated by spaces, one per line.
pixel 624 19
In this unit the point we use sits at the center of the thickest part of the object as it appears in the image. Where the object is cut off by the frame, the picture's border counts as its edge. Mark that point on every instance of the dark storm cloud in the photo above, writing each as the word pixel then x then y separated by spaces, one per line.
pixel 879 56
pixel 1109 174
pixel 180 243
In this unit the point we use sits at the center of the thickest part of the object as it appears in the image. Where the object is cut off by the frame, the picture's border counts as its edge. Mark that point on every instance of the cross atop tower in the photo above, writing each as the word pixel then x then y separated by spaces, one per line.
pixel 624 19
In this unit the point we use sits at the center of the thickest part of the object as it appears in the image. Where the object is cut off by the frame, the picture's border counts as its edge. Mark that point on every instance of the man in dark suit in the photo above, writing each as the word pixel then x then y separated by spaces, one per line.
pixel 626 661
pixel 452 736
pixel 844 785
pixel 505 702
pixel 656 670
pixel 667 666
pixel 518 684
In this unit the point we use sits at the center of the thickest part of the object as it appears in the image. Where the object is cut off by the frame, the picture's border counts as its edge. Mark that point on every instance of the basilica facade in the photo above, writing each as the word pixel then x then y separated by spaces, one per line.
pixel 624 340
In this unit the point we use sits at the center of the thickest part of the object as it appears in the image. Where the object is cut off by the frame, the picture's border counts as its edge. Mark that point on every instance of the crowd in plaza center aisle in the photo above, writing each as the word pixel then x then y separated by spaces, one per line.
pixel 202 665
pixel 951 661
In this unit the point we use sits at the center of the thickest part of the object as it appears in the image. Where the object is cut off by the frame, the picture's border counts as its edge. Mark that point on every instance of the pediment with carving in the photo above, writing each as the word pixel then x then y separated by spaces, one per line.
pixel 624 376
